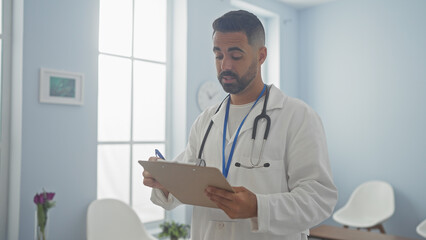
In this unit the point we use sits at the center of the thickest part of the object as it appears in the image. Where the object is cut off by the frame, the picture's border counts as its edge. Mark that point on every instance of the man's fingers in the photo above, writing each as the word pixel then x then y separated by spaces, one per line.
pixel 212 191
pixel 146 174
pixel 148 182
pixel 148 179
pixel 151 182
pixel 153 159
pixel 238 204
pixel 239 189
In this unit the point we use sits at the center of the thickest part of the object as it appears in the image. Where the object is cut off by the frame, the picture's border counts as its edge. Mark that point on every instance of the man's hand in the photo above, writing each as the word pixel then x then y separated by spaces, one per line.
pixel 241 204
pixel 149 180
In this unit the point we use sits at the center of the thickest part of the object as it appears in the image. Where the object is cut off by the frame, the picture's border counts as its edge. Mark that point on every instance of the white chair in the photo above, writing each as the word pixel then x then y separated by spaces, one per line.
pixel 421 229
pixel 369 205
pixel 112 219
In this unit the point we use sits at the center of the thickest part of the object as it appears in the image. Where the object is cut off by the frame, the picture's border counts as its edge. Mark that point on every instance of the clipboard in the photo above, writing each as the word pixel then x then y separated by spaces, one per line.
pixel 187 182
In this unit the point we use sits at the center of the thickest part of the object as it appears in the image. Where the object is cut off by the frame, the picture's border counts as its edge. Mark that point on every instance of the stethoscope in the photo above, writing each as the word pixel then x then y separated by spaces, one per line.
pixel 262 115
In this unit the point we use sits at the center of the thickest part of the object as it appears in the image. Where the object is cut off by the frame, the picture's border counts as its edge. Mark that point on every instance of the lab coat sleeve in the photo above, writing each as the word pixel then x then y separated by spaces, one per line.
pixel 311 194
pixel 158 198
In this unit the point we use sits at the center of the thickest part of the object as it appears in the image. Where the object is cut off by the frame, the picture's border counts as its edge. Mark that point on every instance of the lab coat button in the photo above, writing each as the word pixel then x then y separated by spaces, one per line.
pixel 220 225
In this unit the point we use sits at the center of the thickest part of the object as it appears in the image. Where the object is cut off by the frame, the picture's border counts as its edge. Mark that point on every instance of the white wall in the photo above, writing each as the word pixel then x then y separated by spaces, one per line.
pixel 362 67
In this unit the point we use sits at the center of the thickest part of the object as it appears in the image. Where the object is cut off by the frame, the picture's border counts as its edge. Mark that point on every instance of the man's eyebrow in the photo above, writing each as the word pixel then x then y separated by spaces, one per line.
pixel 235 49
pixel 217 49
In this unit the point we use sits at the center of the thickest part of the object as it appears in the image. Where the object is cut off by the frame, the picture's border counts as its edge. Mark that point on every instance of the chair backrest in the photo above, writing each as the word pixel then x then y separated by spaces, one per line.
pixel 113 219
pixel 421 229
pixel 374 198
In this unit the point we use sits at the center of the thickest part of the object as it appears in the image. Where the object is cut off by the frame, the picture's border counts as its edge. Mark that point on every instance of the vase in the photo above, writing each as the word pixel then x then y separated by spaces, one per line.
pixel 38 234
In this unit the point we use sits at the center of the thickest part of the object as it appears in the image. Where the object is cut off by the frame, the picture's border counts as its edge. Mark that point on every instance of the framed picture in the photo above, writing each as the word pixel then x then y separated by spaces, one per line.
pixel 61 87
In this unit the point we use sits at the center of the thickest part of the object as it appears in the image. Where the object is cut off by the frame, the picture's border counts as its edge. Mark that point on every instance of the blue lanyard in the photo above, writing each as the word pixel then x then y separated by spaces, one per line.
pixel 225 169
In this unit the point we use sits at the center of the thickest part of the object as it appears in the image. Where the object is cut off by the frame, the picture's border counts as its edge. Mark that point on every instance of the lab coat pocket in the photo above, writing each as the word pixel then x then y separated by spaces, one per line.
pixel 264 178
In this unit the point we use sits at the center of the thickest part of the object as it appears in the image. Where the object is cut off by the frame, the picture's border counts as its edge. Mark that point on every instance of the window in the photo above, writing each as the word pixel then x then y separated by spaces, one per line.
pixel 131 98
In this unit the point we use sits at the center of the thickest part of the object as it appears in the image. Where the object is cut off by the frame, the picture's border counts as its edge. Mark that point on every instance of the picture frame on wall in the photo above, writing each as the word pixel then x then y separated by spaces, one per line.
pixel 60 87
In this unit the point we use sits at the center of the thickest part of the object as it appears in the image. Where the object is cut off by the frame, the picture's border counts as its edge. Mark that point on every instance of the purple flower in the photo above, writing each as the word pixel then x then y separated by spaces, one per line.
pixel 44 201
pixel 43 197
pixel 36 199
pixel 50 196
pixel 39 199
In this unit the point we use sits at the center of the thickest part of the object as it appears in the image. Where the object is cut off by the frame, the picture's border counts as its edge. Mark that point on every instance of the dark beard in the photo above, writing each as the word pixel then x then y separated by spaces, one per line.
pixel 241 82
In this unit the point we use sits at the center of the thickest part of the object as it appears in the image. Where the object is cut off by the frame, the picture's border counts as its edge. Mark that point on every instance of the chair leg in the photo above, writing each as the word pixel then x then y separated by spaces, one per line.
pixel 378 226
pixel 381 228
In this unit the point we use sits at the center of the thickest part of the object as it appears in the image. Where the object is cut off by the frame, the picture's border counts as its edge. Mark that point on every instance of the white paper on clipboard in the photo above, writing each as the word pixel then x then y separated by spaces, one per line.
pixel 187 182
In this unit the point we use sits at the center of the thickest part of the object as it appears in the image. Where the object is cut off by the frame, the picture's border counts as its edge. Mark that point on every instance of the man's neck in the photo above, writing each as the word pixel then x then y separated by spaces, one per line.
pixel 249 94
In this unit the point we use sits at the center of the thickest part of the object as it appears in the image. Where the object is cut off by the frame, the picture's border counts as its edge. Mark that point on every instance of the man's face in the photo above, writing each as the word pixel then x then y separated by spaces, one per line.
pixel 236 61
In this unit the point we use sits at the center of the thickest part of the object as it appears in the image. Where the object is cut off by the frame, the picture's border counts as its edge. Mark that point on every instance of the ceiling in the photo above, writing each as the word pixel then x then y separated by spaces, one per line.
pixel 300 4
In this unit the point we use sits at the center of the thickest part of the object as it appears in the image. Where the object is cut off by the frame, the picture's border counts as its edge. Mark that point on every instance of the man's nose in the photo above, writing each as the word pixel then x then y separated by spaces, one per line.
pixel 226 64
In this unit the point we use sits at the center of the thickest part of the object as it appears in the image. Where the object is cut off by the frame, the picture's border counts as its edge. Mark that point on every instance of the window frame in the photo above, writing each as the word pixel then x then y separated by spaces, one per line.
pixel 152 226
pixel 5 110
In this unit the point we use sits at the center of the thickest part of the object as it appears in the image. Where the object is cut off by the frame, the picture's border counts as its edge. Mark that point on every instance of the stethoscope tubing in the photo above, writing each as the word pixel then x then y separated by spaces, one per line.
pixel 263 115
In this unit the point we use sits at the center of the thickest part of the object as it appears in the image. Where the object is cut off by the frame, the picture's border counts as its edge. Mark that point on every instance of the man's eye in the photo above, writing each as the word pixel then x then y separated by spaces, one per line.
pixel 236 56
pixel 219 57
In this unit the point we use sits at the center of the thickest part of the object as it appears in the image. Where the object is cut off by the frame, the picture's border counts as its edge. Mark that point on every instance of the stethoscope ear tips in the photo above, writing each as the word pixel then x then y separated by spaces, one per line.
pixel 237 164
pixel 266 165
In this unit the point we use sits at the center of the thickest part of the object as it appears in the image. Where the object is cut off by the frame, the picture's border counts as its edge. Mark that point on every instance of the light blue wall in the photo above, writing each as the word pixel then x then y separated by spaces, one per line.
pixel 362 67
pixel 59 141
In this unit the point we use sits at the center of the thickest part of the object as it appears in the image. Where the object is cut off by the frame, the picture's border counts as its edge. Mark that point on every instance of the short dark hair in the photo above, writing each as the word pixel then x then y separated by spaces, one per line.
pixel 241 21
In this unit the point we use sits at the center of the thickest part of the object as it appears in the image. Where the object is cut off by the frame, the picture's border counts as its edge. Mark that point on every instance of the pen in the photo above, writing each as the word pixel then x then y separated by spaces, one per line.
pixel 158 154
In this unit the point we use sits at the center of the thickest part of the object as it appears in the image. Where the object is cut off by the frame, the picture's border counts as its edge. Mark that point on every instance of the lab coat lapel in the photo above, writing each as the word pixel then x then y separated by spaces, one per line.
pixel 218 120
pixel 275 101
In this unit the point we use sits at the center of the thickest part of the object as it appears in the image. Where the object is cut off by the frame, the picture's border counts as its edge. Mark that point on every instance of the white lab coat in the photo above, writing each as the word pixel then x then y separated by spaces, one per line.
pixel 295 193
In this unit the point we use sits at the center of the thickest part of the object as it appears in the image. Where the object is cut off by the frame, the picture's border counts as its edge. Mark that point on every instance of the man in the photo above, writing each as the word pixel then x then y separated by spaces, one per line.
pixel 283 186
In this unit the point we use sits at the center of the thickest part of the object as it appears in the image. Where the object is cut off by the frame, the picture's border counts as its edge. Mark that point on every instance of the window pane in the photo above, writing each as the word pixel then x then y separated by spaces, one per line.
pixel 149 102
pixel 114 172
pixel 115 27
pixel 150 39
pixel 114 98
pixel 142 204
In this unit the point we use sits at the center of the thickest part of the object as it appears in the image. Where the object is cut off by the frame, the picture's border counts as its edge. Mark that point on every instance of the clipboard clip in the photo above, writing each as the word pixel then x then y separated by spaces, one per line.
pixel 200 162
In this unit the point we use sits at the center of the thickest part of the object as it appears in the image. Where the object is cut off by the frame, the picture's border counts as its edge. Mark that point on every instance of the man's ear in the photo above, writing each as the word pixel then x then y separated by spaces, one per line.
pixel 262 53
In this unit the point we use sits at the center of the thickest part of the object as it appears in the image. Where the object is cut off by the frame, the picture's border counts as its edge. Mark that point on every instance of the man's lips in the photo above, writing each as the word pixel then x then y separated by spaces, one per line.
pixel 228 79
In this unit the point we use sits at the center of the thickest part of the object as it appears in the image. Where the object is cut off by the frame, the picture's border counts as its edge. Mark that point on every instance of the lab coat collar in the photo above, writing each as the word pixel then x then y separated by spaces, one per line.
pixel 276 100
